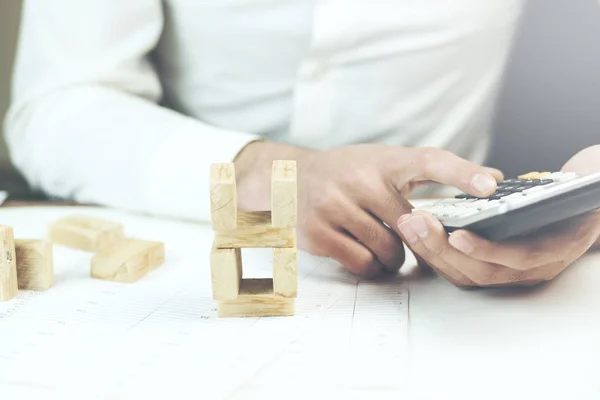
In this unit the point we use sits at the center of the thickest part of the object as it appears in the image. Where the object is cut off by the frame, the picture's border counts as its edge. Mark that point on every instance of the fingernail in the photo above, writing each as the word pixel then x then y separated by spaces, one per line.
pixel 419 225
pixel 483 183
pixel 461 243
pixel 406 230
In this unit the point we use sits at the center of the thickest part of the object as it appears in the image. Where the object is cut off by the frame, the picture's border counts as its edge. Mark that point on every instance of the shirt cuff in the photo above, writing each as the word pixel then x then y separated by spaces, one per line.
pixel 177 180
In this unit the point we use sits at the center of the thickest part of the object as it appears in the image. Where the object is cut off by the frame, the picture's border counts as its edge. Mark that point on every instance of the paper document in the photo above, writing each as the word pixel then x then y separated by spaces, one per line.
pixel 93 339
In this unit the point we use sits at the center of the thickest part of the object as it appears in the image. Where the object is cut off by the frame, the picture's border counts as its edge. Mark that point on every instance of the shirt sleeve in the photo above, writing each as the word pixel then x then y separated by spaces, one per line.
pixel 86 124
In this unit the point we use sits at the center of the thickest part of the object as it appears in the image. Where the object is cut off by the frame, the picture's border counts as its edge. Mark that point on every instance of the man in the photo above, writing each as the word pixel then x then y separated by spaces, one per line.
pixel 126 104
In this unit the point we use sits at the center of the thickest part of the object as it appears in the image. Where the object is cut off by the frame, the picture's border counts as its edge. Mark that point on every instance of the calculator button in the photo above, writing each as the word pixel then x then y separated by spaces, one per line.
pixel 498 195
pixel 483 204
pixel 464 203
pixel 448 201
pixel 441 212
pixel 476 204
pixel 530 182
pixel 512 181
pixel 491 204
pixel 534 189
pixel 467 212
pixel 455 213
pixel 514 198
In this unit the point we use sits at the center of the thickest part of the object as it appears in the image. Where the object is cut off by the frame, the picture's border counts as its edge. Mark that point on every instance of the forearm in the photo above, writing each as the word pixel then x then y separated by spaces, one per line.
pixel 85 121
pixel 98 145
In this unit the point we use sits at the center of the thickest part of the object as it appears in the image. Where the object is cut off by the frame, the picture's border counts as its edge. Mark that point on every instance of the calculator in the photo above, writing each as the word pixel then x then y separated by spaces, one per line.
pixel 520 205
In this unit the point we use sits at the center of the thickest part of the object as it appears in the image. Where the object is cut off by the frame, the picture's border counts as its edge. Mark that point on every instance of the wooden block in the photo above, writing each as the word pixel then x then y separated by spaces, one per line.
pixel 285 271
pixel 284 194
pixel 128 261
pixel 84 233
pixel 226 273
pixel 255 230
pixel 9 286
pixel 223 197
pixel 257 299
pixel 35 266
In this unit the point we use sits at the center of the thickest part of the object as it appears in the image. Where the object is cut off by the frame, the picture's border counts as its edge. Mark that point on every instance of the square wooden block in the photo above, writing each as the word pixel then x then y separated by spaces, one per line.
pixel 35 264
pixel 255 230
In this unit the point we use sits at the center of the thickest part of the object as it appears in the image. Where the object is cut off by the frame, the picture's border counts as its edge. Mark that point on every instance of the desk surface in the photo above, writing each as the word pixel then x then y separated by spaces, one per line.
pixel 461 344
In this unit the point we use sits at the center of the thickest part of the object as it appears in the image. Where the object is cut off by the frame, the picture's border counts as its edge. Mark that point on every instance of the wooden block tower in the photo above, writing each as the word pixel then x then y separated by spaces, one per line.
pixel 234 230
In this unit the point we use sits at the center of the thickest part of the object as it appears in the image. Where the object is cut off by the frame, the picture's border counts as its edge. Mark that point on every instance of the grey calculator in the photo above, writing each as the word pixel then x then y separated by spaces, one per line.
pixel 520 205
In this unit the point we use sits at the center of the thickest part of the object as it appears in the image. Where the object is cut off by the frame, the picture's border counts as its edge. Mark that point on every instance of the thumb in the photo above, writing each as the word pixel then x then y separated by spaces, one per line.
pixel 446 168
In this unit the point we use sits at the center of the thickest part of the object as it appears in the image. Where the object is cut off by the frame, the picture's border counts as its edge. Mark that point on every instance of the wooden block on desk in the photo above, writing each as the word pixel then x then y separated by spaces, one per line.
pixel 128 260
pixel 226 273
pixel 285 271
pixel 284 194
pixel 84 233
pixel 223 196
pixel 257 299
pixel 35 264
pixel 254 230
pixel 9 286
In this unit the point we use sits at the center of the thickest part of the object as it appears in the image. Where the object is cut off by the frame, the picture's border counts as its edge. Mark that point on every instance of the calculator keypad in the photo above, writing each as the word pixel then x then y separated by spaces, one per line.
pixel 519 190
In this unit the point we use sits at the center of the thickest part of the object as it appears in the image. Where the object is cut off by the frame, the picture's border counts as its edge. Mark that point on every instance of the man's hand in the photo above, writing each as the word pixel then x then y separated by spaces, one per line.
pixel 350 198
pixel 467 260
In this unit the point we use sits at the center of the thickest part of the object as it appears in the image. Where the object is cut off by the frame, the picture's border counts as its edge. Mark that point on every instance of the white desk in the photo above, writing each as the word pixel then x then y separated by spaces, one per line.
pixel 541 343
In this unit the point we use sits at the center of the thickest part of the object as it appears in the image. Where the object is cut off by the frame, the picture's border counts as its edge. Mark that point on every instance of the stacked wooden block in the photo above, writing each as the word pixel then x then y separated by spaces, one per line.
pixel 234 230
pixel 27 264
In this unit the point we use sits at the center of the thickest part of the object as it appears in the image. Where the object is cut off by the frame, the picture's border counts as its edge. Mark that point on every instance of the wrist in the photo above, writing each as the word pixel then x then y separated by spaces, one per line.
pixel 253 171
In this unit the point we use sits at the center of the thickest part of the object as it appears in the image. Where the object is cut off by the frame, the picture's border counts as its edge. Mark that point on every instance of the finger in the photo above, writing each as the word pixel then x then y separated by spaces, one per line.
pixel 550 246
pixel 388 205
pixel 435 248
pixel 353 255
pixel 373 234
pixel 532 277
pixel 411 230
pixel 421 263
pixel 447 168
pixel 496 173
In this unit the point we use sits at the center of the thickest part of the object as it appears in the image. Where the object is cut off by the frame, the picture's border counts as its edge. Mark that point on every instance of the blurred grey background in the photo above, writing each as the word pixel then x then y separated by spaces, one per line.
pixel 549 107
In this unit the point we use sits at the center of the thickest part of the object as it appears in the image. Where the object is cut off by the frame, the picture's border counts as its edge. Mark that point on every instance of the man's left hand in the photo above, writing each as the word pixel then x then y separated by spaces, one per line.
pixel 468 260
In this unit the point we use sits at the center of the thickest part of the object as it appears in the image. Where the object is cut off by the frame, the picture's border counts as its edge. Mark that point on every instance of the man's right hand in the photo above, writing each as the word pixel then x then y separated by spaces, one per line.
pixel 350 198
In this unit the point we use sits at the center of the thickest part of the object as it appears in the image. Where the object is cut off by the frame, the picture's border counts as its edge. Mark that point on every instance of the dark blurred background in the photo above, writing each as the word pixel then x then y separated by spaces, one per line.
pixel 549 106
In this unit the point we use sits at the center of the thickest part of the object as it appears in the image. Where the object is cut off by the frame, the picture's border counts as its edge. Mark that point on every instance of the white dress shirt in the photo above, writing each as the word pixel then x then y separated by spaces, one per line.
pixel 127 103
